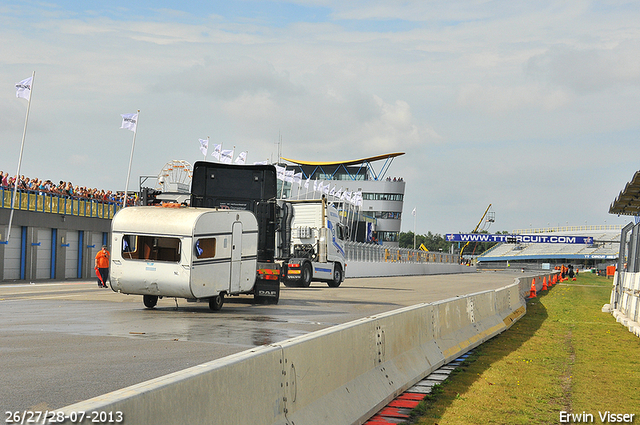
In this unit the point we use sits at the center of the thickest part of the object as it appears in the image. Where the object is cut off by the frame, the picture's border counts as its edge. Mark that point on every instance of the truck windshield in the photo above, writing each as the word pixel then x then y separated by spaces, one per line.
pixel 154 248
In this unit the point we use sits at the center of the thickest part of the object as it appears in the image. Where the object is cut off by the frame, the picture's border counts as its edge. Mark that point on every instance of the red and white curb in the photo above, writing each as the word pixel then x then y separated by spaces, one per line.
pixel 398 411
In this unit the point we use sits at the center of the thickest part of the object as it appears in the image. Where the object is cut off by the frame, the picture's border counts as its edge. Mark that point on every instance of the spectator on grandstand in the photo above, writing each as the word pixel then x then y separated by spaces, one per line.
pixel 66 189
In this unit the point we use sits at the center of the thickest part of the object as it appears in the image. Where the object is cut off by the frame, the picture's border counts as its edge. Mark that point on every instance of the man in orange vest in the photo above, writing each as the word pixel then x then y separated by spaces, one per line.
pixel 102 267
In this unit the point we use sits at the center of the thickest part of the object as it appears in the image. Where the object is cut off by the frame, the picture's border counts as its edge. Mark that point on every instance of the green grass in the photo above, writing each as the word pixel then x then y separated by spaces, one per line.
pixel 563 355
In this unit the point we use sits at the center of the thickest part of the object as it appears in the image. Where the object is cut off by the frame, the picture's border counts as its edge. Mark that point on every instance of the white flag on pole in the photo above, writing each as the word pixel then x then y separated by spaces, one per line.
pixel 315 185
pixel 306 183
pixel 129 121
pixel 288 176
pixel 23 88
pixel 242 158
pixel 204 146
pixel 413 213
pixel 297 178
pixel 280 172
pixel 216 151
pixel 226 156
pixel 356 199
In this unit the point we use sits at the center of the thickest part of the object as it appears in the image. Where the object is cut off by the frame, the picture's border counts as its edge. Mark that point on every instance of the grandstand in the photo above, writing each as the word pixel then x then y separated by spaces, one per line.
pixel 604 250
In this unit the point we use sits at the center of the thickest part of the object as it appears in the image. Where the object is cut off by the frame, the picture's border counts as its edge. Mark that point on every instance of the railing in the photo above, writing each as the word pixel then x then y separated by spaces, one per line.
pixel 28 200
pixel 568 229
pixel 358 251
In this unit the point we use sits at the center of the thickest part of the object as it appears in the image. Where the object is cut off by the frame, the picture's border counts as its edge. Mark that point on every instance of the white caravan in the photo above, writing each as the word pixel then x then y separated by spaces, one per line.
pixel 192 253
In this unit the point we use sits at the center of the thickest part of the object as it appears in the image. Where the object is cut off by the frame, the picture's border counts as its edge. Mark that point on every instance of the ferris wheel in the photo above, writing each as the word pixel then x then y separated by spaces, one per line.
pixel 175 176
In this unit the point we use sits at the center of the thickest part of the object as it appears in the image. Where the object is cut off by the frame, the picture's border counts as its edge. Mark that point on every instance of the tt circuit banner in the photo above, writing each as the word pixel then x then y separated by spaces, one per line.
pixel 485 237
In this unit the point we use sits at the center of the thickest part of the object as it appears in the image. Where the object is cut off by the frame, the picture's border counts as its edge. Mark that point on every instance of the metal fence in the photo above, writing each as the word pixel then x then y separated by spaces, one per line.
pixel 58 204
pixel 625 295
pixel 358 251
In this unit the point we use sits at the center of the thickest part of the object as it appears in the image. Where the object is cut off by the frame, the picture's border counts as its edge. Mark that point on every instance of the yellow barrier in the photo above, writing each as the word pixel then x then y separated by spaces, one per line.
pixel 54 204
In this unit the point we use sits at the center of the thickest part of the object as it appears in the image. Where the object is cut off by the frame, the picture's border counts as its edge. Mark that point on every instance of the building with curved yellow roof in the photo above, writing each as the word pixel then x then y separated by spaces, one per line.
pixel 379 213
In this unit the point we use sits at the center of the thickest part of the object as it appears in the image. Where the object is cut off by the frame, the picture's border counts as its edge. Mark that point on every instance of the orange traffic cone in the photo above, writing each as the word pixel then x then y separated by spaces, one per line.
pixel 532 293
pixel 544 283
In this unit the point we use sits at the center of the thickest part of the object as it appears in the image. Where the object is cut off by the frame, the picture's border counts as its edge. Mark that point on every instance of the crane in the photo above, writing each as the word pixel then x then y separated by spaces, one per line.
pixel 491 218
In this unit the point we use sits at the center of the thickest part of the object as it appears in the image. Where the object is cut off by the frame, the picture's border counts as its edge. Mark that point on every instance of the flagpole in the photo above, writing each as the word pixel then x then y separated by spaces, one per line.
pixel 16 181
pixel 415 215
pixel 133 144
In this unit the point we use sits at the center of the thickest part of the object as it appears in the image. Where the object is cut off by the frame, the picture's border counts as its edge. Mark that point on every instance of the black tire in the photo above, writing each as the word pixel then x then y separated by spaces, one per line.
pixel 290 283
pixel 305 275
pixel 150 301
pixel 337 276
pixel 216 302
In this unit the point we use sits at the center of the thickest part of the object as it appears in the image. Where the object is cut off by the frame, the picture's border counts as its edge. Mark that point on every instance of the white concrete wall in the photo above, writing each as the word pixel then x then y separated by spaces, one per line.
pixel 382 269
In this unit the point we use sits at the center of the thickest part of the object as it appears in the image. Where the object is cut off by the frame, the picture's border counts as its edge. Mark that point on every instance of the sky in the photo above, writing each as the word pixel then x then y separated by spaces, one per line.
pixel 532 106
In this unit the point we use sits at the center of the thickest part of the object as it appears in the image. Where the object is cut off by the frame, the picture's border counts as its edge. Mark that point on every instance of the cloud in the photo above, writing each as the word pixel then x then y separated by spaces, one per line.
pixel 325 106
pixel 491 99
pixel 588 70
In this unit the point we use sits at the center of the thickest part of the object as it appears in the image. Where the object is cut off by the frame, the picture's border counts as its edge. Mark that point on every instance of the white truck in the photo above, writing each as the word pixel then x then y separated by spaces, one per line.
pixel 317 245
pixel 193 253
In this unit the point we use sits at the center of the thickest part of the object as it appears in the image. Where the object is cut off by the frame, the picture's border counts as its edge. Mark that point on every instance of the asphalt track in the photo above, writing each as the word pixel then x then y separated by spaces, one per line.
pixel 65 342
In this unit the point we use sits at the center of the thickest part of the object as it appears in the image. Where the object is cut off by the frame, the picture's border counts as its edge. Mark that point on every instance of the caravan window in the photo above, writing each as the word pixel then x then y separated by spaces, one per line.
pixel 205 248
pixel 153 248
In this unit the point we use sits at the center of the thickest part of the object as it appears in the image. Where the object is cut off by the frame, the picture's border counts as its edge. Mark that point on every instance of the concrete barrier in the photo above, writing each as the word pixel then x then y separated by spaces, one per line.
pixel 385 269
pixel 339 375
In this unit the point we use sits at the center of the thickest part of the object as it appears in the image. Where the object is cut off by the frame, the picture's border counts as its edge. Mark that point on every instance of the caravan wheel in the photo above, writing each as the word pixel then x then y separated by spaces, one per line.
pixel 216 302
pixel 150 301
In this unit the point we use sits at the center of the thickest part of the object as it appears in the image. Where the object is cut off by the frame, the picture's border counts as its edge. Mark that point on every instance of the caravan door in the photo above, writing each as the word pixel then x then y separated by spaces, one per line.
pixel 236 257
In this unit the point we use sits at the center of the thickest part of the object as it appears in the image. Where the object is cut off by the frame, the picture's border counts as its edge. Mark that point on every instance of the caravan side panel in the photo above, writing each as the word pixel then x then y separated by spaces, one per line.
pixel 211 269
pixel 214 248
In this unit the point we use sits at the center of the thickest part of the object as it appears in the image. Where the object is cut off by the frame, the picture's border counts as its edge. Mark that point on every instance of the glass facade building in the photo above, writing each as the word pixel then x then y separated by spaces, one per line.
pixel 380 213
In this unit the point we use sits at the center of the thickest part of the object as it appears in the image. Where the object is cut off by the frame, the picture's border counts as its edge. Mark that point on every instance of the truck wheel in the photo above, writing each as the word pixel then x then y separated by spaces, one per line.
pixel 337 277
pixel 216 302
pixel 305 278
pixel 150 301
